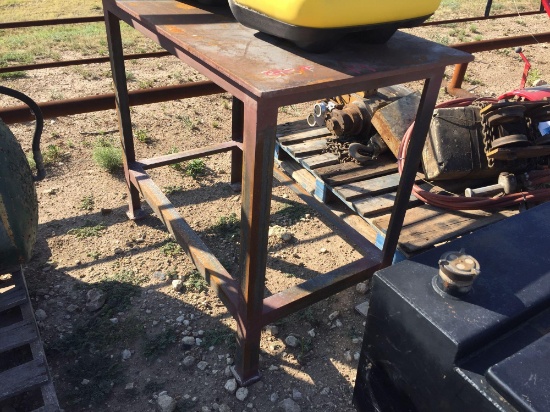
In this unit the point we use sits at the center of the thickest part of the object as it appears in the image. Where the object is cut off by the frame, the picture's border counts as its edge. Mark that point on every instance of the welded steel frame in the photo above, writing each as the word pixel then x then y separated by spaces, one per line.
pixel 252 147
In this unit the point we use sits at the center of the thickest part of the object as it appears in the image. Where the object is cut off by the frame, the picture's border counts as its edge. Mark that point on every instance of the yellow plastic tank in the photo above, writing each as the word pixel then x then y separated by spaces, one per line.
pixel 317 25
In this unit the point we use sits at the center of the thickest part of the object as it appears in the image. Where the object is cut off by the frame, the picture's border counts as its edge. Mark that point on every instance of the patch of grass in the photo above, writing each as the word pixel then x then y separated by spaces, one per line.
pixel 308 315
pixel 87 230
pixel 155 345
pixel 170 190
pixel 142 136
pixel 13 75
pixel 293 212
pixel 186 120
pixel 215 124
pixel 129 277
pixel 84 349
pixel 107 156
pixel 288 109
pixel 130 77
pixel 52 154
pixel 195 282
pixel 441 39
pixel 87 74
pixel 171 248
pixel 534 74
pixel 474 29
pixel 102 372
pixel 521 23
pixel 195 168
pixel 176 166
pixel 31 161
pixel 146 84
pixel 220 336
pixel 306 345
pixel 94 255
pixel 473 81
pixel 87 203
pixel 227 226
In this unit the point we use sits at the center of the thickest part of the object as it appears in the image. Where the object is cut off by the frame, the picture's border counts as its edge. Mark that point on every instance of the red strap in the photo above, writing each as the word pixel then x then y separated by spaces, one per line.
pixel 546 4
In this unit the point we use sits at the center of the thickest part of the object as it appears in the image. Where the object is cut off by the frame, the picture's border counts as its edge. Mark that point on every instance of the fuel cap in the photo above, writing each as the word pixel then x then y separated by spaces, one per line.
pixel 457 272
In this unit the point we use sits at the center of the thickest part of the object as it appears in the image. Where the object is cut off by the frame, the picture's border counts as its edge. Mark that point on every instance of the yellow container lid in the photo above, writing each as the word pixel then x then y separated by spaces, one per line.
pixel 338 14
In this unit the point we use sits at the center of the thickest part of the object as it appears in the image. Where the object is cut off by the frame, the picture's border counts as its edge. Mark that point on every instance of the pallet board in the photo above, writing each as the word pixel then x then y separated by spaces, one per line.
pixel 19 335
pixel 369 191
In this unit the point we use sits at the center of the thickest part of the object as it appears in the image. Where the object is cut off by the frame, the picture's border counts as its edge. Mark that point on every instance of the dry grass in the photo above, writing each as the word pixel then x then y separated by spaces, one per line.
pixel 471 8
pixel 24 10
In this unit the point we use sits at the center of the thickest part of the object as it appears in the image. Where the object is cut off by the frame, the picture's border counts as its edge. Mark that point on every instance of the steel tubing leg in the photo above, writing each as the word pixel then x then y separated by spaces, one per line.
pixel 260 124
pixel 237 135
pixel 412 161
pixel 454 87
pixel 122 102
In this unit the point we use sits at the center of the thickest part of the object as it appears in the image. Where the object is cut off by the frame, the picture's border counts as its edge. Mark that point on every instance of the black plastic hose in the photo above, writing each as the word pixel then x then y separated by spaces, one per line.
pixel 36 154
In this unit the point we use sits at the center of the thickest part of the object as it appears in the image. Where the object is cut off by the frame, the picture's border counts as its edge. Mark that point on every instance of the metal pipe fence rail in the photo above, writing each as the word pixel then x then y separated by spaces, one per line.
pixel 106 101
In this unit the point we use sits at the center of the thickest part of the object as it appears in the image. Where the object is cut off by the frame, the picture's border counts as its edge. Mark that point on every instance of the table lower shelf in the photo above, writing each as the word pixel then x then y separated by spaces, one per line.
pixel 228 288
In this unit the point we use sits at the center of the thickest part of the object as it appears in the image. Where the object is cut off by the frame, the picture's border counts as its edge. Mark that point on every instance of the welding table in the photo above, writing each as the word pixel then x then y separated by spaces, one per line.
pixel 263 74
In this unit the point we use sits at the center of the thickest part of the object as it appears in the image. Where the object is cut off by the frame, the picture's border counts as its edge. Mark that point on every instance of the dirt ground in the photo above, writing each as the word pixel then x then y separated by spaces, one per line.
pixel 122 356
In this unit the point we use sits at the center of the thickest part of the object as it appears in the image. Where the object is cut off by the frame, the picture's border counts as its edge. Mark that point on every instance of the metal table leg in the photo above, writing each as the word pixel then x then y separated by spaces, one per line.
pixel 412 161
pixel 237 110
pixel 116 54
pixel 260 123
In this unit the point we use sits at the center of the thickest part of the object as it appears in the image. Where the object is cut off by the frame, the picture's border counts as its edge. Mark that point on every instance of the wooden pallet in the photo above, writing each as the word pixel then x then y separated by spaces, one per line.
pixel 22 359
pixel 369 191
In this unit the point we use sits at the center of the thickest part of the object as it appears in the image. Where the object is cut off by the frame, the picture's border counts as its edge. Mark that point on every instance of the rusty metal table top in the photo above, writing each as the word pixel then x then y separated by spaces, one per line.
pixel 247 58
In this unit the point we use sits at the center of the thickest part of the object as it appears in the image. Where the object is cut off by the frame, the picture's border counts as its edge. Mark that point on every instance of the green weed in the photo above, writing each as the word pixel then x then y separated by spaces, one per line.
pixel 169 190
pixel 219 336
pixel 473 81
pixel 186 120
pixel 87 231
pixel 534 75
pixel 146 84
pixel 195 282
pixel 13 75
pixel 53 154
pixel 94 255
pixel 107 156
pixel 87 203
pixel 195 168
pixel 170 248
pixel 293 212
pixel 176 166
pixel 142 136
pixel 157 344
pixel 227 226
pixel 31 161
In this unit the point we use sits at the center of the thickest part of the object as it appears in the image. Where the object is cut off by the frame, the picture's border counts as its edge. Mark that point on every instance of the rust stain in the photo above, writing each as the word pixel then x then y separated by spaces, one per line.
pixel 175 29
pixel 288 72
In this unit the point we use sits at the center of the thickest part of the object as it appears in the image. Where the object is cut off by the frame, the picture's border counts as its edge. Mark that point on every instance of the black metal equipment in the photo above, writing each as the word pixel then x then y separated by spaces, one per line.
pixel 435 342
